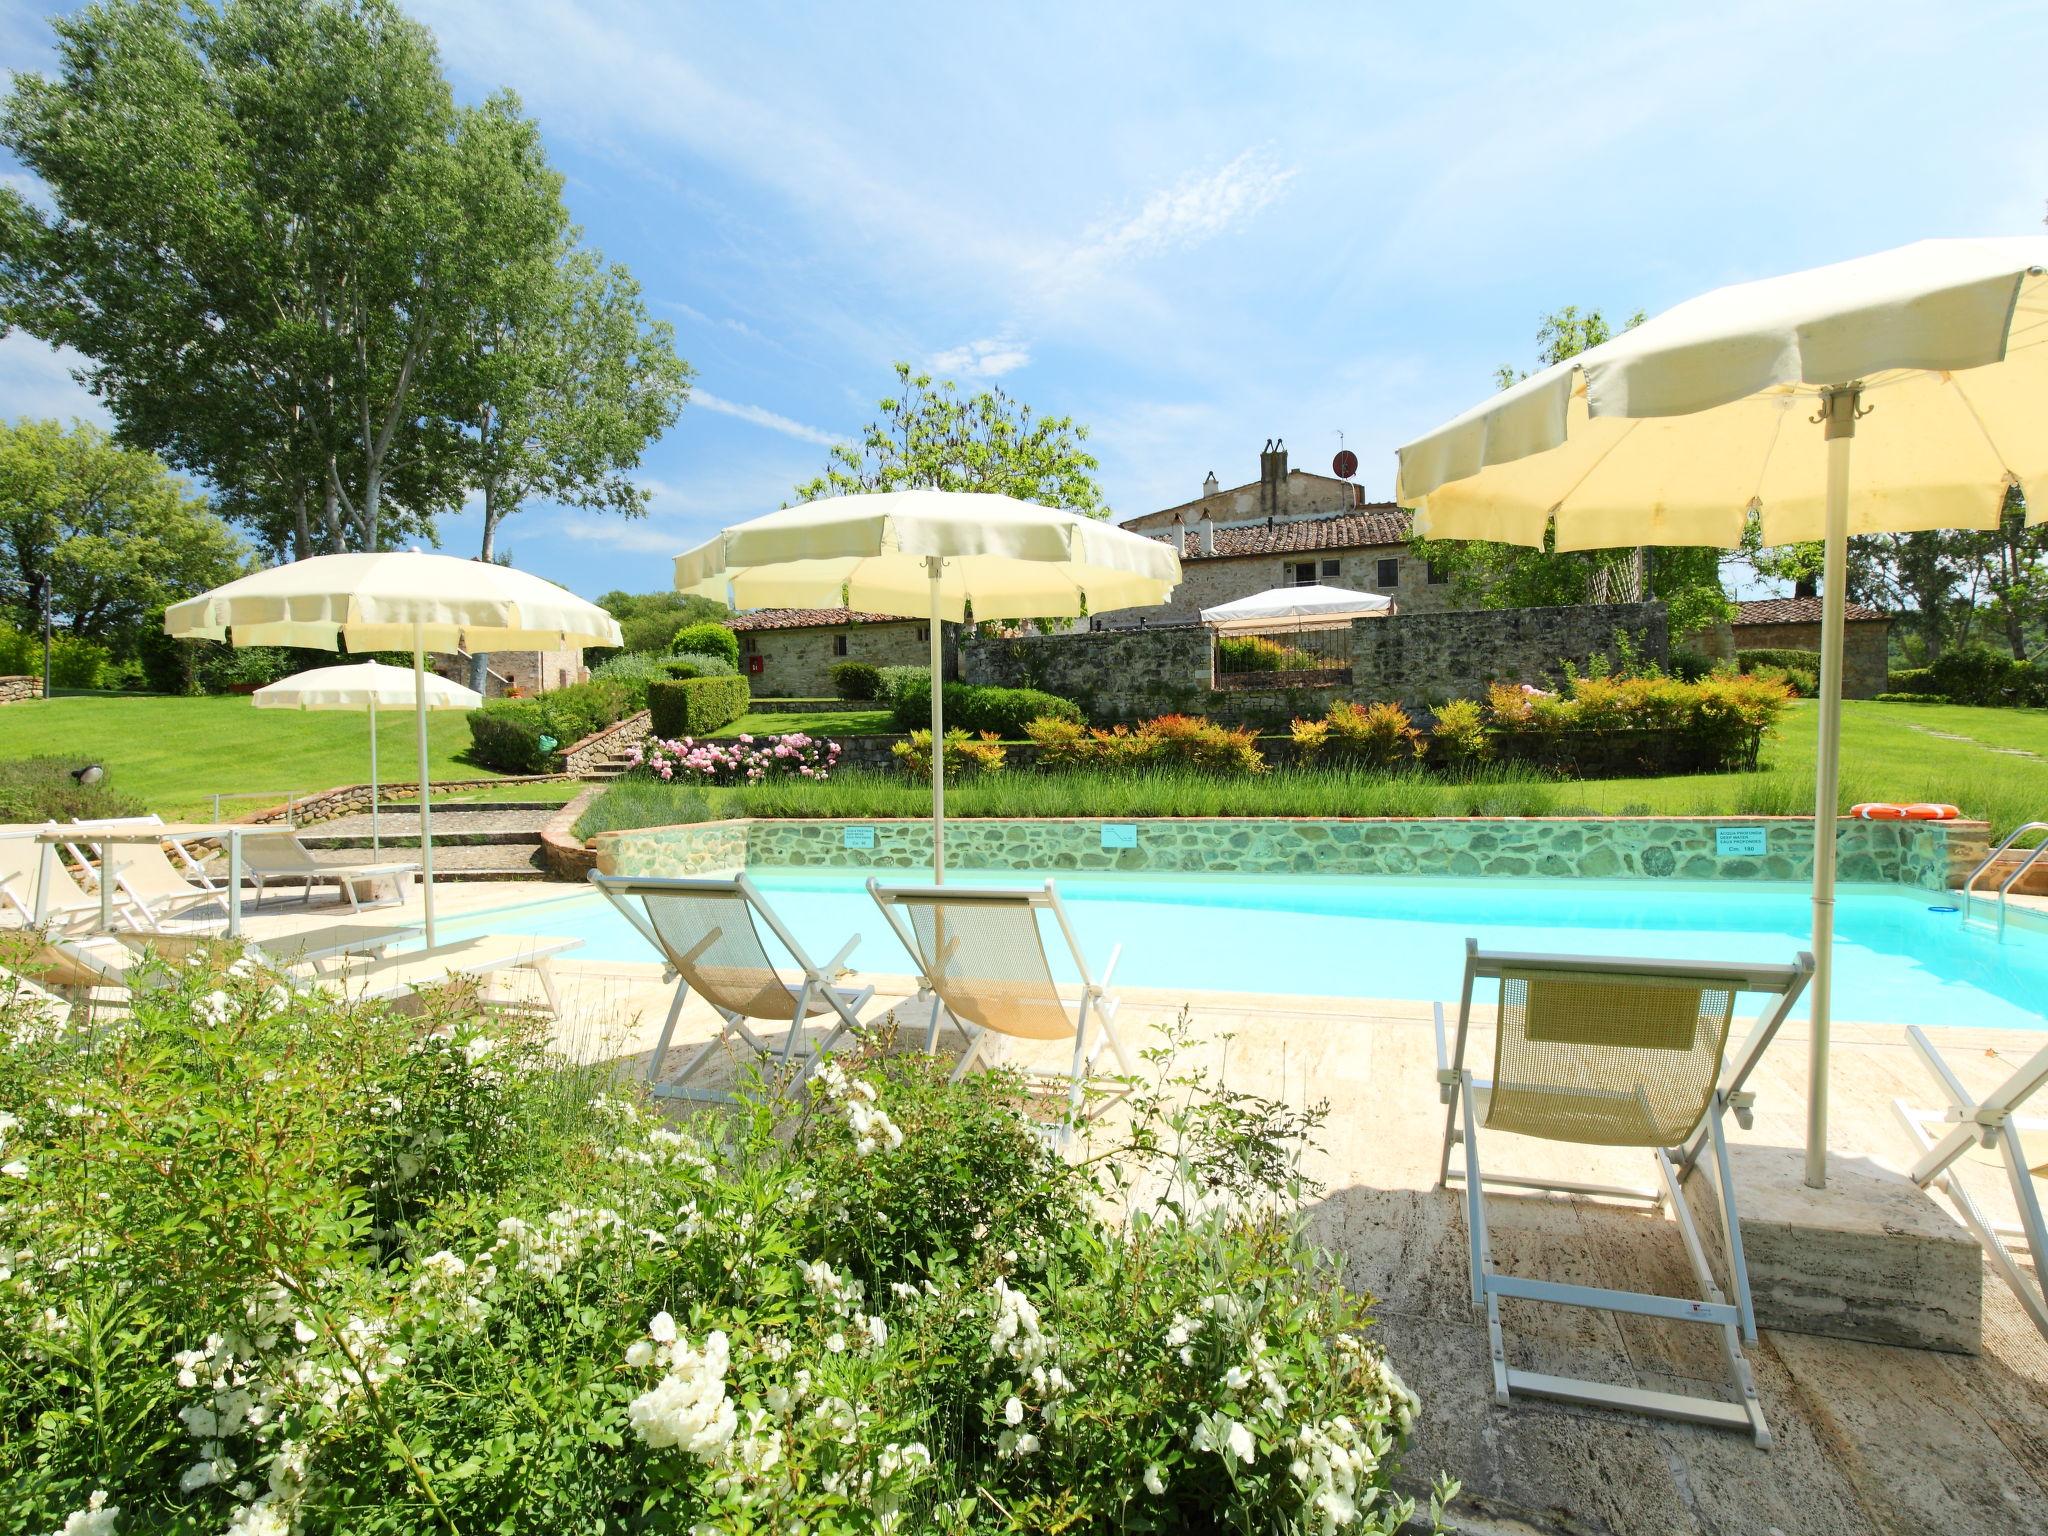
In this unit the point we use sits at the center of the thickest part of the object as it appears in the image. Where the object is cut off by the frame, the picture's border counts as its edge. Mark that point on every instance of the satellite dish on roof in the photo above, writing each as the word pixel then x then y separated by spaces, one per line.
pixel 1345 465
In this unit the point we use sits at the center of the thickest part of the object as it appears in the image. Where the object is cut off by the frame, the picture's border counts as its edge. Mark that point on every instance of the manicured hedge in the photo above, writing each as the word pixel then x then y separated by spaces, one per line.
pixel 973 708
pixel 508 734
pixel 1976 674
pixel 706 640
pixel 696 706
pixel 856 680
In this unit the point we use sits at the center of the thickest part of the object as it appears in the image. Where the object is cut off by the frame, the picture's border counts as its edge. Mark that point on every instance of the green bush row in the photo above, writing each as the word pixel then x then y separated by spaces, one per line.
pixel 856 681
pixel 1976 674
pixel 523 735
pixel 975 708
pixel 696 706
pixel 707 640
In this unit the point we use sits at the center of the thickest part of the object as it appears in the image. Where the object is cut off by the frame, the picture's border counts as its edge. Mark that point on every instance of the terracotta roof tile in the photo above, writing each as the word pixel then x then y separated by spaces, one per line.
pixel 1381 525
pixel 1796 610
pixel 809 618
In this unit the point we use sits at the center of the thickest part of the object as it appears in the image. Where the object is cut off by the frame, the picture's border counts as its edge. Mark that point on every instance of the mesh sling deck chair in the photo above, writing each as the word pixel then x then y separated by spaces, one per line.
pixel 1992 1121
pixel 153 888
pixel 708 933
pixel 268 856
pixel 982 961
pixel 1618 1053
pixel 29 869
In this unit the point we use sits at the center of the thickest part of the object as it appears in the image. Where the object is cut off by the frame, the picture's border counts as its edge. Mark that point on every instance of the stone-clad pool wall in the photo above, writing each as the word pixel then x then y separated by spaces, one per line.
pixel 1926 855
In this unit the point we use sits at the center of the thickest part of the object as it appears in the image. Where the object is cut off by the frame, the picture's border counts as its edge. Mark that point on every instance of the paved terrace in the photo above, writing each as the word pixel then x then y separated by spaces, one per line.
pixel 1870 1439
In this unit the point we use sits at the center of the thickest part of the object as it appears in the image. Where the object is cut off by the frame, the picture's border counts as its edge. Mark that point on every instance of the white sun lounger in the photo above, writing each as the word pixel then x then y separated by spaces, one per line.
pixel 280 856
pixel 310 950
pixel 707 932
pixel 982 961
pixel 385 978
pixel 154 888
pixel 1595 1051
pixel 27 866
pixel 1992 1121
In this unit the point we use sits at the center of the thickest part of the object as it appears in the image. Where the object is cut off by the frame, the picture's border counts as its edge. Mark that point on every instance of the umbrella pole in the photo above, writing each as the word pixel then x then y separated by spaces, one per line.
pixel 376 841
pixel 933 565
pixel 1838 414
pixel 419 704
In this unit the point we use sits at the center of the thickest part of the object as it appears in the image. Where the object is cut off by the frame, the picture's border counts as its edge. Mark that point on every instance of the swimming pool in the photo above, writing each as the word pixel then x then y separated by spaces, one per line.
pixel 1897 960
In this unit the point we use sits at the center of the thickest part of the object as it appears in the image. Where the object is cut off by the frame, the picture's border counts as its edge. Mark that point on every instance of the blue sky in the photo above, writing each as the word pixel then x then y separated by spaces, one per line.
pixel 1191 227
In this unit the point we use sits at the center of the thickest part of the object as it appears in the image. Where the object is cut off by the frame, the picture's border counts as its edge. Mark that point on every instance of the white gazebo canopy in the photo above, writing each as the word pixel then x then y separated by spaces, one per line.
pixel 1315 602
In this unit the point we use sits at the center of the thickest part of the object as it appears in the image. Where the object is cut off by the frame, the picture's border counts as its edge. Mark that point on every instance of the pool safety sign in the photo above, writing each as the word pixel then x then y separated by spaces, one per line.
pixel 1741 842
pixel 1119 834
pixel 857 837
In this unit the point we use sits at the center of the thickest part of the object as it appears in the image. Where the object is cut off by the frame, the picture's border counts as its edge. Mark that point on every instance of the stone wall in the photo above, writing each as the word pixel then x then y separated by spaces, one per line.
pixel 1417 659
pixel 1922 855
pixel 1421 659
pixel 797 663
pixel 1115 674
pixel 600 747
pixel 1866 646
pixel 354 799
pixel 13 690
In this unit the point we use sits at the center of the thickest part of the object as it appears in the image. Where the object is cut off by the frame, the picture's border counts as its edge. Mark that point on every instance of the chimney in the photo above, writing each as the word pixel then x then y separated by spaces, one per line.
pixel 1180 535
pixel 1205 532
pixel 1210 486
pixel 1272 474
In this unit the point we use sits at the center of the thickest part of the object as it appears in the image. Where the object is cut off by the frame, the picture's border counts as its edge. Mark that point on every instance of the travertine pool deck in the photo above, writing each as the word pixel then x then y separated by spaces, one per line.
pixel 1870 1439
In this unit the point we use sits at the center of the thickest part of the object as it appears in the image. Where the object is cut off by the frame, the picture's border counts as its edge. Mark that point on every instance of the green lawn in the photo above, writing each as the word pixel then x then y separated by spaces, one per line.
pixel 833 722
pixel 173 754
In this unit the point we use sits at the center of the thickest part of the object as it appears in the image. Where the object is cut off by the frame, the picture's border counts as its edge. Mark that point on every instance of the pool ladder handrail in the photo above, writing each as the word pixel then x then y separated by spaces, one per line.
pixel 2005 886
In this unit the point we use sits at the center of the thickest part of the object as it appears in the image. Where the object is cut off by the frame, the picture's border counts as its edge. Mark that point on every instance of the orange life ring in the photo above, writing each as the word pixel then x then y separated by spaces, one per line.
pixel 1919 810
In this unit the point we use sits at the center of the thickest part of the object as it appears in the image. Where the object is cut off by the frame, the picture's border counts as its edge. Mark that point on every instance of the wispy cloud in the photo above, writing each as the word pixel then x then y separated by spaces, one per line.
pixel 1191 212
pixel 36 380
pixel 989 358
pixel 618 533
pixel 762 417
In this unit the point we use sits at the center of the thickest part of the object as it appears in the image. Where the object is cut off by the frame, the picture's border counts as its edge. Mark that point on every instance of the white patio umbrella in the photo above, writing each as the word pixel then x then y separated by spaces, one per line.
pixel 931 554
pixel 1935 355
pixel 365 686
pixel 392 601
pixel 1314 602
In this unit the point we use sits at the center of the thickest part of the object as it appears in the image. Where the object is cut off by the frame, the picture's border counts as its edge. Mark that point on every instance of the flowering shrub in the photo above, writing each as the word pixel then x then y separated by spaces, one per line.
pixel 1205 745
pixel 743 760
pixel 966 756
pixel 1379 735
pixel 1459 739
pixel 268 1267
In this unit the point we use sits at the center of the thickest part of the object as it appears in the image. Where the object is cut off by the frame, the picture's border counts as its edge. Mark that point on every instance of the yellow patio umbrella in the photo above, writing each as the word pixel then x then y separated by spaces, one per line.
pixel 393 601
pixel 930 554
pixel 364 686
pixel 1931 359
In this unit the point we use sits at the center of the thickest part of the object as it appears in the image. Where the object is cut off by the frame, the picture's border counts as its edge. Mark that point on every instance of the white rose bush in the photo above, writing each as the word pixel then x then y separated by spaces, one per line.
pixel 278 1267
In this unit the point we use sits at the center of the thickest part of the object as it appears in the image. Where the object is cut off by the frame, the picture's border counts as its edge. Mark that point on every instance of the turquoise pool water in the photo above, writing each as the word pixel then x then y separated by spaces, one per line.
pixel 1897 961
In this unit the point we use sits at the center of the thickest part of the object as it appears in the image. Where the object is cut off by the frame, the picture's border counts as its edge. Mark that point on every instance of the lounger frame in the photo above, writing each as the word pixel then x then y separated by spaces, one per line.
pixel 1097 1004
pixel 1992 1121
pixel 820 982
pixel 1463 1093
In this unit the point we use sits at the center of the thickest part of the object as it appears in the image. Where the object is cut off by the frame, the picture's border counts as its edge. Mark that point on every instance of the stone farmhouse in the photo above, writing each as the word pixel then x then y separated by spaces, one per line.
pixel 1793 624
pixel 518 673
pixel 788 653
pixel 1288 528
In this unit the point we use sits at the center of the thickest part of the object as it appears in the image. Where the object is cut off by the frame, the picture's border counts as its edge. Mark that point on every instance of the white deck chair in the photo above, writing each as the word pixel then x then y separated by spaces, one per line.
pixel 77 970
pixel 385 978
pixel 280 856
pixel 313 951
pixel 1595 1051
pixel 25 865
pixel 1992 1121
pixel 983 963
pixel 707 932
pixel 154 888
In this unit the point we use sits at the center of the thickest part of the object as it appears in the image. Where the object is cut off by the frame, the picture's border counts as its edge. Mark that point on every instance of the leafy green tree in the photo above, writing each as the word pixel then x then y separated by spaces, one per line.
pixel 116 534
pixel 270 220
pixel 928 437
pixel 649 620
pixel 562 377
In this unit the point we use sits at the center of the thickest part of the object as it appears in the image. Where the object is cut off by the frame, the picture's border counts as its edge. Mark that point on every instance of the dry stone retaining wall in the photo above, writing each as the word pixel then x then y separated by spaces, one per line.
pixel 14 690
pixel 1922 855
